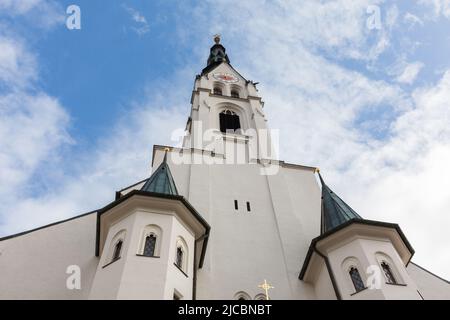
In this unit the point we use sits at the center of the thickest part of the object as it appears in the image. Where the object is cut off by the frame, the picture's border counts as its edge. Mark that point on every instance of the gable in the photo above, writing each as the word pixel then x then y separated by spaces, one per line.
pixel 223 68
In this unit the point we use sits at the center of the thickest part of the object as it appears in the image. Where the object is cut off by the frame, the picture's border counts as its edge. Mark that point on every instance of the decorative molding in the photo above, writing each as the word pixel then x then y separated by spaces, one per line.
pixel 142 255
pixel 397 284
pixel 207 105
pixel 359 291
pixel 261 113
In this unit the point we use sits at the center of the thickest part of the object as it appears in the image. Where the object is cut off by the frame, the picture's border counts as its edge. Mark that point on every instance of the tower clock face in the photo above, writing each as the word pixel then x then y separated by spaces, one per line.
pixel 225 77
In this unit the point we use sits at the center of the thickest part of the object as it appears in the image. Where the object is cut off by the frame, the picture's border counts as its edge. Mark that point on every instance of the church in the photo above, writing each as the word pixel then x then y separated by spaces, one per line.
pixel 222 218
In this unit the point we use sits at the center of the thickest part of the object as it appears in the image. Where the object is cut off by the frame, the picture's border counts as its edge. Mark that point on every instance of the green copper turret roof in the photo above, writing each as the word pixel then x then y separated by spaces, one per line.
pixel 217 55
pixel 334 210
pixel 161 181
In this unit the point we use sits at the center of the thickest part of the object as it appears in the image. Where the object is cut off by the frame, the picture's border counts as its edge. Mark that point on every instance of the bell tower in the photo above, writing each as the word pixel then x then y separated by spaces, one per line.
pixel 227 112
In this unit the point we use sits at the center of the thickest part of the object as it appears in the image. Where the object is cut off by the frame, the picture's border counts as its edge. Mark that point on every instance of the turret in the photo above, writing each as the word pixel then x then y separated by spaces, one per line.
pixel 355 258
pixel 150 243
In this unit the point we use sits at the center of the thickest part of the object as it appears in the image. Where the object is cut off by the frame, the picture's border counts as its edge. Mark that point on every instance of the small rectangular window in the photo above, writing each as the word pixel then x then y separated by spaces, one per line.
pixel 248 206
pixel 236 204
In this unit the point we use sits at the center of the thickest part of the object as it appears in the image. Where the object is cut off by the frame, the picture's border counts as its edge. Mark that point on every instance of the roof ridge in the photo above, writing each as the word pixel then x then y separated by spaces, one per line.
pixel 161 181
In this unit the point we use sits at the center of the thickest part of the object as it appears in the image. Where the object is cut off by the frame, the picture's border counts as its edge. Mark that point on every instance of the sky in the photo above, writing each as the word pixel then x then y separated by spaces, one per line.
pixel 360 89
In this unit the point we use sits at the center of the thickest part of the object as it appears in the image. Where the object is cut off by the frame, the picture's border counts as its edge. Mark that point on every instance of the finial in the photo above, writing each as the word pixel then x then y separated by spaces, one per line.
pixel 217 38
pixel 317 170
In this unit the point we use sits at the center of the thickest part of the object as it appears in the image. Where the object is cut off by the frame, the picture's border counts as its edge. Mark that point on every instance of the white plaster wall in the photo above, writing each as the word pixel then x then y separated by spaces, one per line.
pixel 323 286
pixel 391 292
pixel 430 286
pixel 245 248
pixel 176 280
pixel 144 277
pixel 295 199
pixel 33 266
pixel 364 251
pixel 108 277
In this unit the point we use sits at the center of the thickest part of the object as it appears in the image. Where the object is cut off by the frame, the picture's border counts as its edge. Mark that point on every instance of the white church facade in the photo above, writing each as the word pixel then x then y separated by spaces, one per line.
pixel 218 217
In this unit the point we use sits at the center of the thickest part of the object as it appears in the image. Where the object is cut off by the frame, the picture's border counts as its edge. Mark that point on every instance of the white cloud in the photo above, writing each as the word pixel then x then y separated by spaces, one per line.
pixel 19 7
pixel 438 7
pixel 406 72
pixel 41 13
pixel 139 19
pixel 17 66
pixel 90 179
pixel 412 19
pixel 409 182
pixel 32 123
pixel 31 126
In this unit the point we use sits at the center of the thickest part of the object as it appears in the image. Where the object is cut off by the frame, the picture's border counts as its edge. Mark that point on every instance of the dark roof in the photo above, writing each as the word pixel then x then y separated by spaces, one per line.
pixel 46 226
pixel 217 55
pixel 161 181
pixel 334 210
pixel 346 224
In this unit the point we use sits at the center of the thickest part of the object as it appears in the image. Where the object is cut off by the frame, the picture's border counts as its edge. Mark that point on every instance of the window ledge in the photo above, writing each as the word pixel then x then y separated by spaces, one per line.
pixel 111 262
pixel 142 255
pixel 235 136
pixel 181 270
pixel 396 284
pixel 229 97
pixel 358 291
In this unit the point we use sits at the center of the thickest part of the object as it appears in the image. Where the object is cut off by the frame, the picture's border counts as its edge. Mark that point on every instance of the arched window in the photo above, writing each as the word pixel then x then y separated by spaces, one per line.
pixel 234 93
pixel 388 273
pixel 150 243
pixel 229 120
pixel 181 255
pixel 241 295
pixel 356 279
pixel 389 269
pixel 117 250
pixel 260 296
pixel 217 91
pixel 179 258
pixel 149 246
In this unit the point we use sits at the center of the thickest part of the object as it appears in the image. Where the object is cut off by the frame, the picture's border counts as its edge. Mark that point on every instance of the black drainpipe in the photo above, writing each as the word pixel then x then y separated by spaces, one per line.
pixel 194 280
pixel 330 272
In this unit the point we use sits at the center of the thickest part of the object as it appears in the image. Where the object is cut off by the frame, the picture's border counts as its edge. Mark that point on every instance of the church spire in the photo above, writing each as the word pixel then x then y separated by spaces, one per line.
pixel 334 210
pixel 161 181
pixel 218 53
